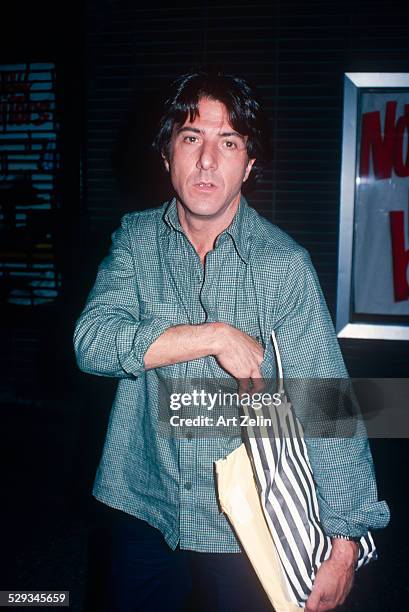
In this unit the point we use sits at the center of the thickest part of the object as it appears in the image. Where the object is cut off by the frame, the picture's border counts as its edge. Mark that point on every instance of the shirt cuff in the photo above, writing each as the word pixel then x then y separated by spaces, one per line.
pixel 134 339
pixel 355 523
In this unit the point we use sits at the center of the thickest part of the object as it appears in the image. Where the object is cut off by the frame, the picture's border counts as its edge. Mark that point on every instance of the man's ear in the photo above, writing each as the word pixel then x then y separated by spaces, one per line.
pixel 165 161
pixel 248 169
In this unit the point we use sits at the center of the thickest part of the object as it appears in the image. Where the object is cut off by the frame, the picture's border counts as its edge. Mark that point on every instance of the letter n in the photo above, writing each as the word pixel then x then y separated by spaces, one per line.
pixel 372 142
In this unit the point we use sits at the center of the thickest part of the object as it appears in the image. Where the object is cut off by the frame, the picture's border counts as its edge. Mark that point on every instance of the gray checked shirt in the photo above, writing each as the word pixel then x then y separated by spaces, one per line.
pixel 257 279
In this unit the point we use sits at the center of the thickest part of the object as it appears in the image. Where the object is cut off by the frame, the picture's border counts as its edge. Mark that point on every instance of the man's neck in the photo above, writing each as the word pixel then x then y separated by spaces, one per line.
pixel 203 231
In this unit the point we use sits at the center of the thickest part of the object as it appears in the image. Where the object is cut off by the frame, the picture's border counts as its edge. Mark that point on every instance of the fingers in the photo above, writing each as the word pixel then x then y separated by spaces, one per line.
pixel 258 382
pixel 244 386
pixel 322 607
pixel 313 602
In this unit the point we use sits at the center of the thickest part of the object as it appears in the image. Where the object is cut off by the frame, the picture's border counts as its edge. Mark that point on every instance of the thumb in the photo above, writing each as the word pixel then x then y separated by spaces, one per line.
pixel 313 602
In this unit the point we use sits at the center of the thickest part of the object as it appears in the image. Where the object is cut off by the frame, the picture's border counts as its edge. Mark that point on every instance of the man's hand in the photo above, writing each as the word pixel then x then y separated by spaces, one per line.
pixel 241 356
pixel 334 578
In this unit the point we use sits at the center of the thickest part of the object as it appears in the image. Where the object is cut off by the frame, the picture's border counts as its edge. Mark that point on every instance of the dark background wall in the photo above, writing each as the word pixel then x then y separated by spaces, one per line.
pixel 297 53
pixel 113 61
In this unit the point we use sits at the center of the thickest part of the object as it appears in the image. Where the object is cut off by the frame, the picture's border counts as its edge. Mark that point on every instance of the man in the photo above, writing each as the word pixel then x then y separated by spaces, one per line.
pixel 189 290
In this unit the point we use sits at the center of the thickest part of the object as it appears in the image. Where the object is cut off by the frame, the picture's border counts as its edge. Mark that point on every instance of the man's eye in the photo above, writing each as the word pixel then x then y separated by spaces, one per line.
pixel 190 139
pixel 229 144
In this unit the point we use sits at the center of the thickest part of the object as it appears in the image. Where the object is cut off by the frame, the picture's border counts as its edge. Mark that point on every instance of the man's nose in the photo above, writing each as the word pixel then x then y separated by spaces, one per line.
pixel 207 157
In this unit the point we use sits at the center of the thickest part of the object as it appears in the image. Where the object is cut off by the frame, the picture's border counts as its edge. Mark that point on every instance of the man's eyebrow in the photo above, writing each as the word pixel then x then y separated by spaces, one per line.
pixel 186 128
pixel 226 134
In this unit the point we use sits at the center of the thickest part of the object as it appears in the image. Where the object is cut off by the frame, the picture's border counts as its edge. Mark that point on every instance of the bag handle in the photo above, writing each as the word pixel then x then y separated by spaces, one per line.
pixel 279 364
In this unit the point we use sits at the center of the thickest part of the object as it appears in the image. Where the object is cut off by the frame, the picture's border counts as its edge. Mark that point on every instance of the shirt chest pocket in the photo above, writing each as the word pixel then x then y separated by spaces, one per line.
pixel 170 311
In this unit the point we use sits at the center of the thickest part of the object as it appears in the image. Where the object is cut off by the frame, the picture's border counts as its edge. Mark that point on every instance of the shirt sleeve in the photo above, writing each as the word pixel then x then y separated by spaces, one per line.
pixel 342 464
pixel 111 338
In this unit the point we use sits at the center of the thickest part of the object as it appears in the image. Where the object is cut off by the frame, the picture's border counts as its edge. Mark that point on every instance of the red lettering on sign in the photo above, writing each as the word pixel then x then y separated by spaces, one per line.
pixel 400 256
pixel 401 165
pixel 372 142
pixel 386 151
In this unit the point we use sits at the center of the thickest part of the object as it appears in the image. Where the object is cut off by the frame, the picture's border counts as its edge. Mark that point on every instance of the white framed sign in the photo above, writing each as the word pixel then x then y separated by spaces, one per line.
pixel 373 258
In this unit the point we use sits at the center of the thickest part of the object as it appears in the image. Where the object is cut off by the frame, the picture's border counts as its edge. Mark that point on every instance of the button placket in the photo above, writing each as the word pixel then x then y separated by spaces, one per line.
pixel 207 294
pixel 188 468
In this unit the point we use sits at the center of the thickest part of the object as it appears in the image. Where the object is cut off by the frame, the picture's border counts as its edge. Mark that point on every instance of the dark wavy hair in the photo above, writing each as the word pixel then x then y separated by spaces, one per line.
pixel 245 110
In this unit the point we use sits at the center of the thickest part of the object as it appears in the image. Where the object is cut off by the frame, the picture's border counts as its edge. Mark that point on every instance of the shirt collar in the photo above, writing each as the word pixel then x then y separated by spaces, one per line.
pixel 239 229
pixel 171 217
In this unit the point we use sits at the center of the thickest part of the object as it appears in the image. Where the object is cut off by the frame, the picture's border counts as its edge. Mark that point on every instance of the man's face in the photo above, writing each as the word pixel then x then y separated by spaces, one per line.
pixel 208 161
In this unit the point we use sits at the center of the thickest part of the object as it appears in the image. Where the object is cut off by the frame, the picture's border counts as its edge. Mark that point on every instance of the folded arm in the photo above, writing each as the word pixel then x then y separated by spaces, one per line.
pixel 111 338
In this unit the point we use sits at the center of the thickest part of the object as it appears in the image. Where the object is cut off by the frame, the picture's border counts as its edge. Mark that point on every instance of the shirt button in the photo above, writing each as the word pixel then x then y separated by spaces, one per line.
pixel 189 435
pixel 188 485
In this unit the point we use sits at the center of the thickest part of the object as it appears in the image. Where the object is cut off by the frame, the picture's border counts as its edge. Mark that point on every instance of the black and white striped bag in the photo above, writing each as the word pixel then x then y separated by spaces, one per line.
pixel 288 497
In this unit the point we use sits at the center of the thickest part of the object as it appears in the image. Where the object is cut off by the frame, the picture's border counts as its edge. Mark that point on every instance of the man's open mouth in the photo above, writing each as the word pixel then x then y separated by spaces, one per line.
pixel 203 185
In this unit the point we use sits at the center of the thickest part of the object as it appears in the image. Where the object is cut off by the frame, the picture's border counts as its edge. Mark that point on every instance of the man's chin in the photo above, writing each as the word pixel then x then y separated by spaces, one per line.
pixel 203 208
